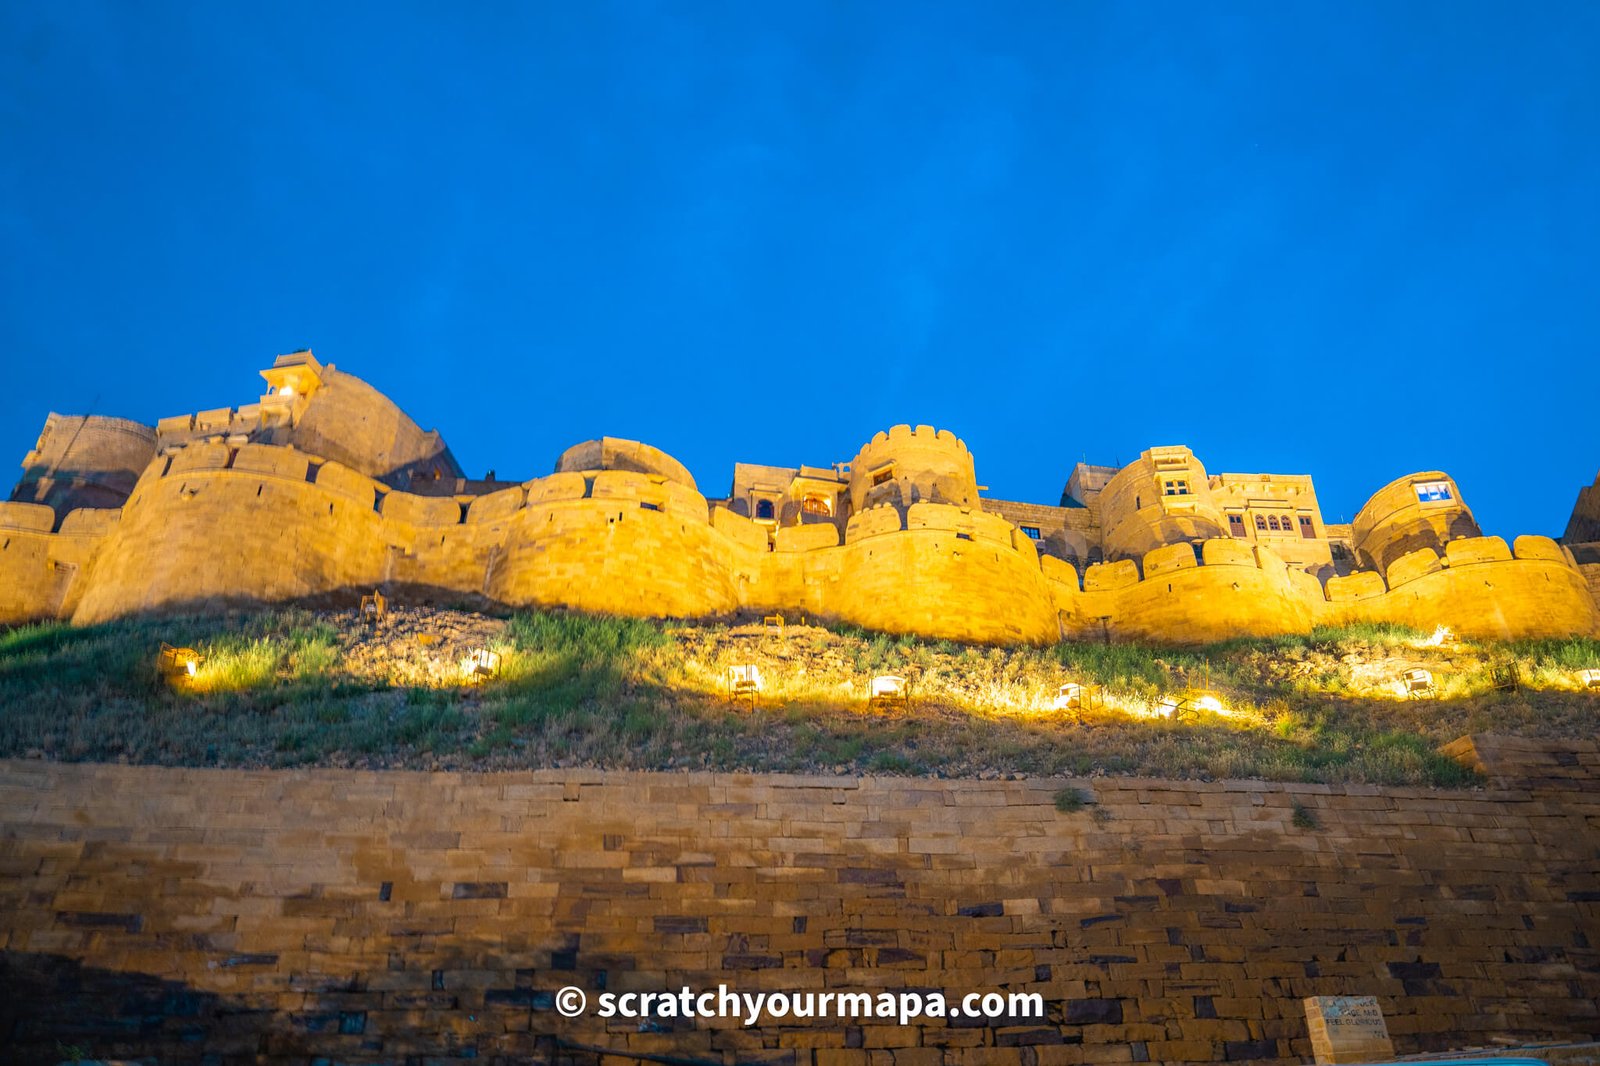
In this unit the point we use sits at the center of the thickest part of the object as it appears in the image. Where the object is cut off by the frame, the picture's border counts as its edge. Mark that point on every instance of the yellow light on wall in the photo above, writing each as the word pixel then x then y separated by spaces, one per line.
pixel 286 390
pixel 178 664
pixel 480 665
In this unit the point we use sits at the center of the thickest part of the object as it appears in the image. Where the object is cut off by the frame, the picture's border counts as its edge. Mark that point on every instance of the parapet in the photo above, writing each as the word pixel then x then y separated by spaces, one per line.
pixel 28 517
pixel 613 453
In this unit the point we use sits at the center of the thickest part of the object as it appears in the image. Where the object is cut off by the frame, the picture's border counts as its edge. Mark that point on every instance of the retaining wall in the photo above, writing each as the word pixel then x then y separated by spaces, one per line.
pixel 278 917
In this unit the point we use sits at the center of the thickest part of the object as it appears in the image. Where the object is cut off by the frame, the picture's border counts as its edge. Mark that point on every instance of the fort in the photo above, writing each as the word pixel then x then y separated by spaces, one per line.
pixel 322 488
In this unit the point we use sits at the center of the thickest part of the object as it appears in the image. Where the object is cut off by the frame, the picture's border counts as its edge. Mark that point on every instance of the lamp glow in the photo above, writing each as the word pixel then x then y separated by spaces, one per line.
pixel 1068 696
pixel 178 664
pixel 1441 635
pixel 1589 679
pixel 888 687
pixel 1416 684
pixel 744 680
pixel 480 664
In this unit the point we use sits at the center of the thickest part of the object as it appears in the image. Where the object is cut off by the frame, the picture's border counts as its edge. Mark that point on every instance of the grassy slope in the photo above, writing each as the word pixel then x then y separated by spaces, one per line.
pixel 282 688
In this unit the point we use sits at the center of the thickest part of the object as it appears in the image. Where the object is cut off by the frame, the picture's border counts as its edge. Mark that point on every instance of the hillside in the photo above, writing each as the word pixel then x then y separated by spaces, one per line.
pixel 293 687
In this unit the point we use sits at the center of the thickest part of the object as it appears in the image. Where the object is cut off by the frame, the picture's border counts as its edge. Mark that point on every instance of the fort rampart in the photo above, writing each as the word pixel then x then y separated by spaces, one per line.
pixel 251 516
pixel 277 917
pixel 214 524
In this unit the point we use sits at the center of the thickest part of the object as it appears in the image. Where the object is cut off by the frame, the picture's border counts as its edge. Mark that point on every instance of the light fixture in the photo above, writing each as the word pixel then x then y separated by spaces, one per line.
pixel 286 390
pixel 1068 697
pixel 178 664
pixel 1208 702
pixel 1589 678
pixel 1171 706
pixel 480 664
pixel 373 608
pixel 886 687
pixel 744 680
pixel 1416 684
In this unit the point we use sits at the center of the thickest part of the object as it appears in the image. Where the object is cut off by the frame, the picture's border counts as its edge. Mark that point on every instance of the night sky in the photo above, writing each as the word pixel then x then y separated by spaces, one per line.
pixel 1353 240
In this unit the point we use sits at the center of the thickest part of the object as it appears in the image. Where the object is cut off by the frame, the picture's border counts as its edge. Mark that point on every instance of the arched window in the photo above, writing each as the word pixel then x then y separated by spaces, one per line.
pixel 764 509
pixel 815 504
pixel 1272 522
pixel 1261 523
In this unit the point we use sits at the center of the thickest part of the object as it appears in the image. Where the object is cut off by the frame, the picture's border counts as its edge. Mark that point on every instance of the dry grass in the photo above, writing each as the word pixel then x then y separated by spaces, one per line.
pixel 288 687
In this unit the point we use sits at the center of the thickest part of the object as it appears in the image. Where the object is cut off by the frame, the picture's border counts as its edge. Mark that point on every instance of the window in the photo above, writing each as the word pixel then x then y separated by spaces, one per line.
pixel 1428 491
pixel 1272 522
pixel 1261 523
pixel 764 509
pixel 883 476
pixel 1178 487
pixel 815 504
pixel 1307 530
pixel 1236 524
pixel 1032 532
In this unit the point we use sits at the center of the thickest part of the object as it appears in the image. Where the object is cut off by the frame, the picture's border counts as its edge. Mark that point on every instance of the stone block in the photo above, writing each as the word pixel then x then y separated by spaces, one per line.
pixel 1467 550
pixel 1413 565
pixel 1168 558
pixel 32 517
pixel 806 538
pixel 1534 547
pixel 1361 585
pixel 1227 552
pixel 1105 577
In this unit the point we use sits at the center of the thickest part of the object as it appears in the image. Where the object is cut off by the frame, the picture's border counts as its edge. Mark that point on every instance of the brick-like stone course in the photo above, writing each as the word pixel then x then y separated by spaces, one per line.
pixel 332 916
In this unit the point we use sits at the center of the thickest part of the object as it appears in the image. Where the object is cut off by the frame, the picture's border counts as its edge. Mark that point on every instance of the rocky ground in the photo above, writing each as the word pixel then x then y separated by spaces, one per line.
pixel 411 646
pixel 293 687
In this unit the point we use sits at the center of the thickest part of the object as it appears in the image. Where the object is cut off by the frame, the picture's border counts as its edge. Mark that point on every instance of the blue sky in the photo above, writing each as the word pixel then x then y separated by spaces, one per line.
pixel 1353 240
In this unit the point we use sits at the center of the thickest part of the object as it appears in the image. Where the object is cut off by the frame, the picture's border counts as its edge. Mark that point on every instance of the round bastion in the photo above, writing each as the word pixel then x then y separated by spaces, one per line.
pixel 906 466
pixel 1421 510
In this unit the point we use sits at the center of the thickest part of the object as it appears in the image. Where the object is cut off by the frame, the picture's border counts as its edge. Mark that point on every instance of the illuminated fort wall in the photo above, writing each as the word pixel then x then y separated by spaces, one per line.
pixel 244 513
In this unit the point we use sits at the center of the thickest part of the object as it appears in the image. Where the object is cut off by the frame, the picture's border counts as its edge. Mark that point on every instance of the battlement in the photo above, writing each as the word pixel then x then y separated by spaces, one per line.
pixel 921 435
pixel 906 466
pixel 229 509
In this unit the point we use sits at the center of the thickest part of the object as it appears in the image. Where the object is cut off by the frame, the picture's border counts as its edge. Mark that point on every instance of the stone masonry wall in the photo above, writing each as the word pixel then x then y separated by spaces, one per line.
pixel 331 916
pixel 216 524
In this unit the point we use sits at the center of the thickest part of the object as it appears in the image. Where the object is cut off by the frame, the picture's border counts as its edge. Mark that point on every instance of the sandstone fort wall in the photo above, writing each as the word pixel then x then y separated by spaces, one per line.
pixel 214 524
pixel 325 489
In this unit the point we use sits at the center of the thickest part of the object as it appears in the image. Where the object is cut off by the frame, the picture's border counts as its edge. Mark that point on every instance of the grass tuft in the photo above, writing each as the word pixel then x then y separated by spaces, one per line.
pixel 1303 818
pixel 1072 800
